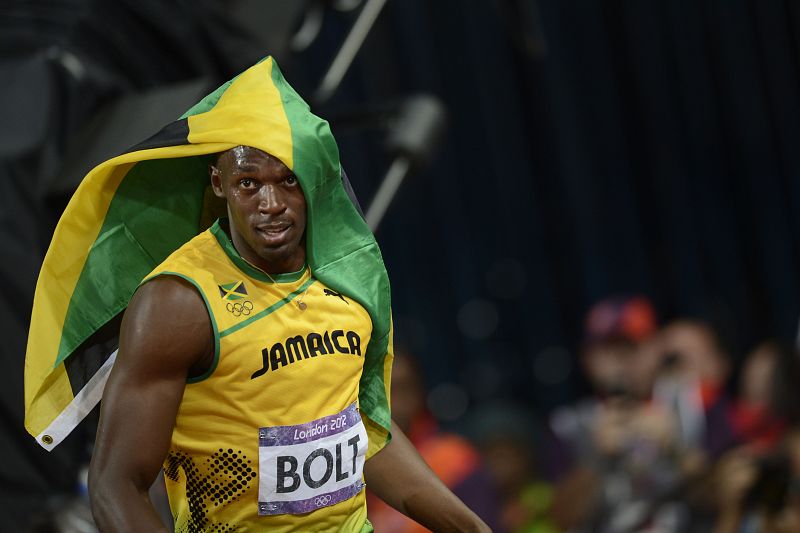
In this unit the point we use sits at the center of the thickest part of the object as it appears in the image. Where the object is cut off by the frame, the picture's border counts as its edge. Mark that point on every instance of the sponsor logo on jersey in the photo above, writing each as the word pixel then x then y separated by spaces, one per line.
pixel 314 344
pixel 329 292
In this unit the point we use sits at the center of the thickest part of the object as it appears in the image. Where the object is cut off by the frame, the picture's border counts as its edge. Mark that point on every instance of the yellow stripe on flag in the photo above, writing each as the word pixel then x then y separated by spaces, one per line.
pixel 250 112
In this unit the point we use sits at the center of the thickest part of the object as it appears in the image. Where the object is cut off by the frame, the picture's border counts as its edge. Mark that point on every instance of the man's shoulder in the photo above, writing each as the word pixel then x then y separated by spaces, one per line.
pixel 160 307
pixel 169 290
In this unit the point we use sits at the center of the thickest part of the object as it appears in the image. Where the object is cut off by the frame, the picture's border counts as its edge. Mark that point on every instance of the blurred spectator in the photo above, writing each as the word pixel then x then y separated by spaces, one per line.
pixel 758 484
pixel 759 492
pixel 457 463
pixel 693 373
pixel 508 437
pixel 788 518
pixel 766 401
pixel 616 332
pixel 622 443
pixel 619 379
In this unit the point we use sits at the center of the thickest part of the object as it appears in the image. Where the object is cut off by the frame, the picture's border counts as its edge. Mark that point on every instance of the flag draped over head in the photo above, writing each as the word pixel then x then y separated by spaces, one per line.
pixel 132 211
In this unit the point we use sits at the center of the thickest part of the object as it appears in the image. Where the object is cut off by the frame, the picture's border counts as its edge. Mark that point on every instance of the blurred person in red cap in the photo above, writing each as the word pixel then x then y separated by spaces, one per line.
pixel 616 330
pixel 621 442
pixel 617 362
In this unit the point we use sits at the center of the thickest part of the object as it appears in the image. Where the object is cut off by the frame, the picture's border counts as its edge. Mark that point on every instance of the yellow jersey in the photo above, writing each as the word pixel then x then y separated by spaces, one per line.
pixel 271 437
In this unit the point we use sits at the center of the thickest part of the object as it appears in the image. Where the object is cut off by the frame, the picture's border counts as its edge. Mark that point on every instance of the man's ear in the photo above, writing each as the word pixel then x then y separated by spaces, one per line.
pixel 216 181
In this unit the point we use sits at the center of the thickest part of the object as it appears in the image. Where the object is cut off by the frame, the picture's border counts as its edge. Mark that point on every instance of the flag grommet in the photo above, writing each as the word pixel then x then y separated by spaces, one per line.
pixel 47 439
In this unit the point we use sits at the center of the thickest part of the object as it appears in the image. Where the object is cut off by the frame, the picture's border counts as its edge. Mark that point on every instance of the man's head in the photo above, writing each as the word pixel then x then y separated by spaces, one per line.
pixel 612 355
pixel 266 208
pixel 692 348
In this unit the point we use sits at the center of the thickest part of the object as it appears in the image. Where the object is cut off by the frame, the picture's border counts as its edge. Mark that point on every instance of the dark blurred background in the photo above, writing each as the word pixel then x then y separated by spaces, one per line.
pixel 593 150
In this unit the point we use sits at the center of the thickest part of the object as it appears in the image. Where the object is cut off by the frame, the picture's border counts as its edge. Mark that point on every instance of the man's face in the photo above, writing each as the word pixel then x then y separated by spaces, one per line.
pixel 608 366
pixel 266 208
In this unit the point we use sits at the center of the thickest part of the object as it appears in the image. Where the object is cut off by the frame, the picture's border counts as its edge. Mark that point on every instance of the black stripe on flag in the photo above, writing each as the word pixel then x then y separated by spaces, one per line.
pixel 173 134
pixel 87 359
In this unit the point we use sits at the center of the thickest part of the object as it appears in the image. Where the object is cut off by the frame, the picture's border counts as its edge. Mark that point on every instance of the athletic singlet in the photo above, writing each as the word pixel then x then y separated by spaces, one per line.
pixel 270 438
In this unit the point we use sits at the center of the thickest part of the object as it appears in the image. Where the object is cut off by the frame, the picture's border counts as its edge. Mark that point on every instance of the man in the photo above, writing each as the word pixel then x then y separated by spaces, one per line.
pixel 621 445
pixel 253 361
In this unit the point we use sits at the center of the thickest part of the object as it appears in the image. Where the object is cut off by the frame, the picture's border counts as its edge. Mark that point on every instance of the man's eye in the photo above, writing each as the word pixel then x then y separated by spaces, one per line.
pixel 291 180
pixel 247 183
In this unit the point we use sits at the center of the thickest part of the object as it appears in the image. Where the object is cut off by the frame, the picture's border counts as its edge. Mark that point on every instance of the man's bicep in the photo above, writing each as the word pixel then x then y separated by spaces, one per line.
pixel 165 331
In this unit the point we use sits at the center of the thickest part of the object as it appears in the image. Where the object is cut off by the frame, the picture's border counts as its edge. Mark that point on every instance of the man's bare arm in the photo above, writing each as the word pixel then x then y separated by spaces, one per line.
pixel 165 332
pixel 399 476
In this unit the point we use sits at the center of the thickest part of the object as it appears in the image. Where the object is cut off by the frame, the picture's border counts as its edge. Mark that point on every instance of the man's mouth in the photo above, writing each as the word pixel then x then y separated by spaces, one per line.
pixel 274 232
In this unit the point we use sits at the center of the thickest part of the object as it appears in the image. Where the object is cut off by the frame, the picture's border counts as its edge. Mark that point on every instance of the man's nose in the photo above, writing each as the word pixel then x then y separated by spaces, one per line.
pixel 271 199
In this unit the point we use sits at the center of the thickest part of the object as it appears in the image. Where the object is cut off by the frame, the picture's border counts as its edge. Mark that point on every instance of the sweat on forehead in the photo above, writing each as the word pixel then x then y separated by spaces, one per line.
pixel 238 153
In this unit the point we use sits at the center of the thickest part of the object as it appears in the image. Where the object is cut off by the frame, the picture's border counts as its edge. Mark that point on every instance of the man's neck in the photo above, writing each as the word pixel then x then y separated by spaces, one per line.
pixel 285 266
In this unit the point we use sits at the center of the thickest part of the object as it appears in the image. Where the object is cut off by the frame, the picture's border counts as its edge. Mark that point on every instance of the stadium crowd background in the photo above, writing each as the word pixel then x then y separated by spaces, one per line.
pixel 594 273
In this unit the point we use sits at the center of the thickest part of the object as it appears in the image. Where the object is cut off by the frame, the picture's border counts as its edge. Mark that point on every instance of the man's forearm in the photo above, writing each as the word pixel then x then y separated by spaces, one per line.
pixel 122 508
pixel 399 476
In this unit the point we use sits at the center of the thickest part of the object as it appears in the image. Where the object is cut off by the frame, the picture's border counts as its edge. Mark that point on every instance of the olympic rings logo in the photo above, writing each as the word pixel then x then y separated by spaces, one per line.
pixel 322 501
pixel 239 309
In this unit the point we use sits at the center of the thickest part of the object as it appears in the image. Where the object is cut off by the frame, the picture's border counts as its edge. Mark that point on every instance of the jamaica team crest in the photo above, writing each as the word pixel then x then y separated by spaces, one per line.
pixel 232 291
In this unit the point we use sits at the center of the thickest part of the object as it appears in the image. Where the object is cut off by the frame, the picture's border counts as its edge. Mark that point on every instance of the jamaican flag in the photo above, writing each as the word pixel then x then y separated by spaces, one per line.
pixel 132 211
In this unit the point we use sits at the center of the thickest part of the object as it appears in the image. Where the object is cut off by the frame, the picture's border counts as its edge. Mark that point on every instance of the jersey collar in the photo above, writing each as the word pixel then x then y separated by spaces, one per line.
pixel 245 266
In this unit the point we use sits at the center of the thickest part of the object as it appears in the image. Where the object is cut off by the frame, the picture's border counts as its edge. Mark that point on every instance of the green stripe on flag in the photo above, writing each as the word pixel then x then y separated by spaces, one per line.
pixel 155 210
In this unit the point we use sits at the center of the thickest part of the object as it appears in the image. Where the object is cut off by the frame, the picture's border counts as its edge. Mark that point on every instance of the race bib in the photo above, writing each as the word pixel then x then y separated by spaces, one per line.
pixel 308 466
